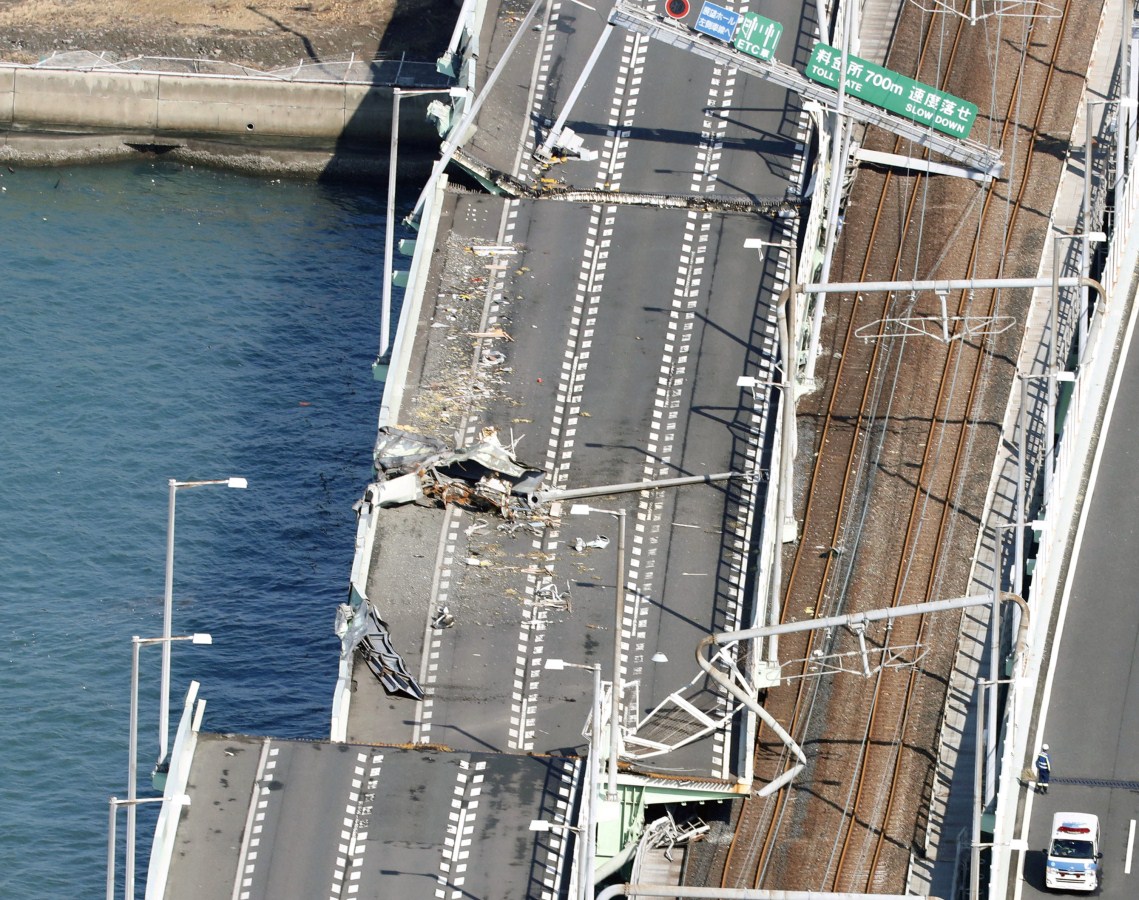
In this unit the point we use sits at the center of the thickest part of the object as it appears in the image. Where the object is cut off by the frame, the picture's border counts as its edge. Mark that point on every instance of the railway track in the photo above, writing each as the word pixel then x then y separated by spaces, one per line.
pixel 905 430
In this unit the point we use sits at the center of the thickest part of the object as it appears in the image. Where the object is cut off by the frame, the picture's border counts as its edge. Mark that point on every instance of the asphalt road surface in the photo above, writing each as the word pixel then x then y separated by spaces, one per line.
pixel 1092 718
pixel 630 326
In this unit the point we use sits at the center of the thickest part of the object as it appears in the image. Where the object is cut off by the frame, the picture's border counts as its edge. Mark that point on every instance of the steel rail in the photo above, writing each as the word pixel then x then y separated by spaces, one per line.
pixel 962 434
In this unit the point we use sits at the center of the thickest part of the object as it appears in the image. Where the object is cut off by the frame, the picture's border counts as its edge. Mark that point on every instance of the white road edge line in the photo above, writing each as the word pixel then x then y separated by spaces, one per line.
pixel 243 855
pixel 1093 477
pixel 1130 847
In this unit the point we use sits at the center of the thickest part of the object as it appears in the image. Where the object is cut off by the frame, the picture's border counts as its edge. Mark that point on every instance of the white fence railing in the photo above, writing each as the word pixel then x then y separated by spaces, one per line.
pixel 174 796
pixel 351 69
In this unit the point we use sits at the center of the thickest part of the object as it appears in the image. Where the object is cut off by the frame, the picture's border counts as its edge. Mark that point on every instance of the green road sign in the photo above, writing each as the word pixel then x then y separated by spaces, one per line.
pixel 893 92
pixel 757 36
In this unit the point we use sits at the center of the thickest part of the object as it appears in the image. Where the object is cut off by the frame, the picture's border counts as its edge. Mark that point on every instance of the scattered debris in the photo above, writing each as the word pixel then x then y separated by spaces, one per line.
pixel 665 834
pixel 598 543
pixel 443 618
pixel 496 332
pixel 497 250
pixel 548 595
pixel 399 452
pixel 399 490
pixel 537 526
pixel 478 526
pixel 572 144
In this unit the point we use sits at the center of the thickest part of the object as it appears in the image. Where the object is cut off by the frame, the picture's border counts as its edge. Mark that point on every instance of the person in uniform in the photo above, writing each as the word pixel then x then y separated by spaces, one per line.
pixel 1043 769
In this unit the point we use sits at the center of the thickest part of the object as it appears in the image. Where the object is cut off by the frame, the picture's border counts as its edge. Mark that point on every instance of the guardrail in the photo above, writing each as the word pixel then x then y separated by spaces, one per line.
pixel 395 383
pixel 174 796
pixel 1082 428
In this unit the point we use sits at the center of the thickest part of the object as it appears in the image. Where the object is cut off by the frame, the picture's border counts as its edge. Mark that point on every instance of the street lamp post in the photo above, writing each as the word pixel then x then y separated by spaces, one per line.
pixel 786 527
pixel 131 802
pixel 994 642
pixel 785 524
pixel 168 608
pixel 1123 103
pixel 1022 476
pixel 381 365
pixel 542 825
pixel 581 509
pixel 785 316
pixel 994 658
pixel 1054 351
pixel 587 865
pixel 112 835
pixel 1089 158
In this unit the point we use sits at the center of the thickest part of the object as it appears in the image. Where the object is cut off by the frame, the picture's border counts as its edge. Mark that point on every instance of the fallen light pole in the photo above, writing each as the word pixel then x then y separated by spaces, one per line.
pixel 628 487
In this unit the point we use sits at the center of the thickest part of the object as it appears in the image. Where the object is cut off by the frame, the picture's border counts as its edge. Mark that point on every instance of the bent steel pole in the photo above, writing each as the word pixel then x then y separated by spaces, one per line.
pixel 543 152
pixel 756 707
pixel 853 619
pixel 862 618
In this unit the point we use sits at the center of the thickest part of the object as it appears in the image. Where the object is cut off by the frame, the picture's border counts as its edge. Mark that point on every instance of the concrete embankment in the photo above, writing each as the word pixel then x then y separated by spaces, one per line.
pixel 48 116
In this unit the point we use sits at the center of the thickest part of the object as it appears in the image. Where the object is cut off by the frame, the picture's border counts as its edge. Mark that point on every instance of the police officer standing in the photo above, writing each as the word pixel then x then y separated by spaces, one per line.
pixel 1043 769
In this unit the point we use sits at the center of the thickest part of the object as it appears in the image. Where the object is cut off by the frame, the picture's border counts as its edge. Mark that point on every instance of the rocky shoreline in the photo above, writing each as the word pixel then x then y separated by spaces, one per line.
pixel 262 37
pixel 265 35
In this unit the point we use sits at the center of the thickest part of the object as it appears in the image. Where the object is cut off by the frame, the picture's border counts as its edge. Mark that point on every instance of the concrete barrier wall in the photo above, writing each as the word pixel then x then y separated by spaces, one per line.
pixel 7 95
pixel 97 100
pixel 197 105
pixel 174 106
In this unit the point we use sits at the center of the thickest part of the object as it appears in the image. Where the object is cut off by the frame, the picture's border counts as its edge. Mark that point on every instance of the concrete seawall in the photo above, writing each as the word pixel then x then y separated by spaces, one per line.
pixel 54 115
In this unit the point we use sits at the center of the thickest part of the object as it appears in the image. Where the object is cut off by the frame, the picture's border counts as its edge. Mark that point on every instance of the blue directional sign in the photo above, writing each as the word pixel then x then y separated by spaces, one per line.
pixel 717 22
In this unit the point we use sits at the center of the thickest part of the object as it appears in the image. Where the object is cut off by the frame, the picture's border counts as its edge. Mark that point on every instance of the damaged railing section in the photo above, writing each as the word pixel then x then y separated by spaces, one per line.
pixel 484 476
pixel 416 468
pixel 369 633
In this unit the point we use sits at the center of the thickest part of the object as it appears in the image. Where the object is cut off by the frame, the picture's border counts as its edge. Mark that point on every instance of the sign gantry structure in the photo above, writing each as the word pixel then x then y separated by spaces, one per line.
pixel 872 95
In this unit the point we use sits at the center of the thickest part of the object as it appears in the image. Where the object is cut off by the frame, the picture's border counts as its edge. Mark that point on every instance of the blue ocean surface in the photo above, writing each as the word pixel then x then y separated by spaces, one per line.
pixel 162 321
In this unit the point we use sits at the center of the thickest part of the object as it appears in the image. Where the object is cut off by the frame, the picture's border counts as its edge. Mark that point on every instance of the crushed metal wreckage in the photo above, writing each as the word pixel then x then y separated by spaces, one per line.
pixel 369 634
pixel 421 469
pixel 486 475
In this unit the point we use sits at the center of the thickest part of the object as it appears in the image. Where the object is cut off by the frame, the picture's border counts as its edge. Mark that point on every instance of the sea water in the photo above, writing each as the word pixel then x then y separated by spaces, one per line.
pixel 161 321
